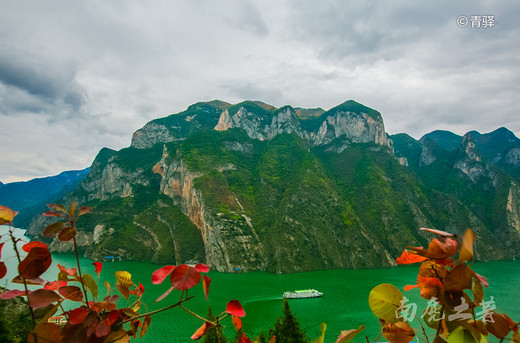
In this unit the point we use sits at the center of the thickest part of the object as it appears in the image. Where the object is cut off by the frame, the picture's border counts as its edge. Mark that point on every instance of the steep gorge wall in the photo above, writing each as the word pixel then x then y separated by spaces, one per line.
pixel 224 250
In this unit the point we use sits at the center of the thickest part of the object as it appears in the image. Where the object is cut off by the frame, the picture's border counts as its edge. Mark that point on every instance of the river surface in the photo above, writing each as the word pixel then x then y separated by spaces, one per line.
pixel 344 304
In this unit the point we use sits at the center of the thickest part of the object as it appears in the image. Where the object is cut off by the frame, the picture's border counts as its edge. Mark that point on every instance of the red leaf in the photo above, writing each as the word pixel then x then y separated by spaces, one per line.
pixel 408 258
pixel 244 339
pixel 165 294
pixel 84 210
pixel 445 262
pixel 46 332
pixel 58 207
pixel 33 244
pixel 11 294
pixel 1 246
pixel 112 298
pixel 237 322
pixel 482 279
pixel 53 229
pixel 146 323
pixel 202 268
pixel 409 287
pixel 439 248
pixel 99 307
pixel 184 277
pixel 54 285
pixel 78 315
pixel 71 271
pixel 37 281
pixel 235 308
pixel 138 291
pixel 3 270
pixel 438 232
pixel 98 266
pixel 51 214
pixel 205 285
pixel 72 293
pixel 42 297
pixel 202 331
pixel 37 261
pixel 160 274
pixel 103 328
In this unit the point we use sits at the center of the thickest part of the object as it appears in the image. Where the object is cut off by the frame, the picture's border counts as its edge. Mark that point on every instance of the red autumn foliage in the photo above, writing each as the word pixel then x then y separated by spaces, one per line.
pixel 184 277
pixel 98 266
pixel 235 308
pixel 33 244
pixel 42 297
pixel 409 258
pixel 37 261
pixel 160 274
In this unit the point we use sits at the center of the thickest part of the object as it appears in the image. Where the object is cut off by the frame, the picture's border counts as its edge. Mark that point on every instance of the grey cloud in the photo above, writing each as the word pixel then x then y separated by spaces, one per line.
pixel 249 19
pixel 113 66
pixel 250 91
pixel 46 81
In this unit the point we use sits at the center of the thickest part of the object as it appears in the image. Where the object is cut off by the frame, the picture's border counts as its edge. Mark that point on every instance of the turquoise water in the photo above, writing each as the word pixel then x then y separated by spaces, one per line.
pixel 344 304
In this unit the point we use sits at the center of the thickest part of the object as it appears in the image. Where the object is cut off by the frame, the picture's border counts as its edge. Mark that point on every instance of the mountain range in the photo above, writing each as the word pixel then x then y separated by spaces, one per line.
pixel 255 187
pixel 29 198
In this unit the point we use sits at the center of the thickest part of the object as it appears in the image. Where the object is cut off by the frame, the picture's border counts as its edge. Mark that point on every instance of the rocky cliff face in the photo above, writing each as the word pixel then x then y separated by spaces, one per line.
pixel 350 121
pixel 220 235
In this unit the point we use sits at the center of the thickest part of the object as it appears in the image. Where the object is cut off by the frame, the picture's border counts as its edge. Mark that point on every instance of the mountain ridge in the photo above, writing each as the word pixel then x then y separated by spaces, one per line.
pixel 255 187
pixel 29 198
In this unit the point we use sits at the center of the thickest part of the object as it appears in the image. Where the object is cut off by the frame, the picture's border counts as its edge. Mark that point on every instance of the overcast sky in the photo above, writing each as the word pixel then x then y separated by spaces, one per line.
pixel 76 76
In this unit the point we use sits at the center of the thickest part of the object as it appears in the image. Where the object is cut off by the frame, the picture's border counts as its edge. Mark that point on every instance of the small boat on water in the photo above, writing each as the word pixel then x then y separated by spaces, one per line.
pixel 301 294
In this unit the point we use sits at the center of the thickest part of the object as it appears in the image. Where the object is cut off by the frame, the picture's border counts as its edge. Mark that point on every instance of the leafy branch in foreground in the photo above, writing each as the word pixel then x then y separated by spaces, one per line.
pixel 456 310
pixel 99 319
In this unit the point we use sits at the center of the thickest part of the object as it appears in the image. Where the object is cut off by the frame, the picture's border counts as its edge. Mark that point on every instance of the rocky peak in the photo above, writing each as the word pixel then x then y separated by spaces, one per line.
pixel 260 125
pixel 469 147
pixel 428 155
pixel 351 122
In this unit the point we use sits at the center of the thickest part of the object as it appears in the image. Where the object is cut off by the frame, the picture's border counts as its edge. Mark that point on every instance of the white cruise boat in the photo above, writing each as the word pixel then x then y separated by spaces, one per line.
pixel 300 294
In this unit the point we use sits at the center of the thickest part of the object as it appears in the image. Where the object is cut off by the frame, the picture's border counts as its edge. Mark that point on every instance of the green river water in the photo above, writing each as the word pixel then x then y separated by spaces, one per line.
pixel 344 304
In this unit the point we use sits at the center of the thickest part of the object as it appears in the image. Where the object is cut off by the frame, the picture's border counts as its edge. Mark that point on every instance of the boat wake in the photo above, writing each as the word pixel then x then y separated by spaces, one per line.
pixel 256 300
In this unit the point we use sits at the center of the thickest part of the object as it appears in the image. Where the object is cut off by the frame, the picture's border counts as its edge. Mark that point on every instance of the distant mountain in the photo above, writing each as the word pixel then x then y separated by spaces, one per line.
pixel 445 139
pixel 30 198
pixel 256 187
pixel 1 184
pixel 500 147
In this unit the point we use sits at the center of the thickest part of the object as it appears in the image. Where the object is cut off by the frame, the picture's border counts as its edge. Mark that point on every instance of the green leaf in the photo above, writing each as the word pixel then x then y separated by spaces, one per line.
pixel 323 328
pixel 384 301
pixel 89 282
pixel 461 335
